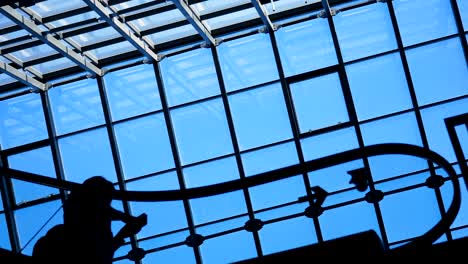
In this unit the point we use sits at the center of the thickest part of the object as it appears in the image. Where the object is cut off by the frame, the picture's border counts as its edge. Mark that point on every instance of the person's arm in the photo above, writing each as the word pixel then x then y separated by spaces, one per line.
pixel 117 215
pixel 133 226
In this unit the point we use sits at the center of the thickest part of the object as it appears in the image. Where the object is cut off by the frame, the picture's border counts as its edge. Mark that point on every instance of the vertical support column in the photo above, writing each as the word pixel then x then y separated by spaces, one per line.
pixel 414 101
pixel 352 112
pixel 235 145
pixel 294 127
pixel 461 31
pixel 8 205
pixel 49 119
pixel 450 124
pixel 114 150
pixel 175 152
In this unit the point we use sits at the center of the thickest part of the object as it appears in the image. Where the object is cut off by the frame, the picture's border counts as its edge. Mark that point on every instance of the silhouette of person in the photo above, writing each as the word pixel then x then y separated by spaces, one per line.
pixel 86 235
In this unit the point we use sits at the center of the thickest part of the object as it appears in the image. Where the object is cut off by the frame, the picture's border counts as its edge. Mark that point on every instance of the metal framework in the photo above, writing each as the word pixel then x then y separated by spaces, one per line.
pixel 185 9
pixel 128 20
pixel 31 27
pixel 22 77
pixel 122 28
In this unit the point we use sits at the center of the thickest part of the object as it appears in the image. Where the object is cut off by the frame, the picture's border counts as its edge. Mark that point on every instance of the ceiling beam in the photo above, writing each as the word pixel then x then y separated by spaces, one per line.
pixel 185 9
pixel 262 12
pixel 22 77
pixel 122 29
pixel 29 25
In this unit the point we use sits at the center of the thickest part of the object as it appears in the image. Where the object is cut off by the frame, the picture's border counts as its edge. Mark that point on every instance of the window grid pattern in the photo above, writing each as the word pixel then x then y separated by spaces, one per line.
pixel 258 240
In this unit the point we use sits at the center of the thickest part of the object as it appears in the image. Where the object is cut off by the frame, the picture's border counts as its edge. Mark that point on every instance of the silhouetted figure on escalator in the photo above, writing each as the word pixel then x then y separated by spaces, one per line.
pixel 86 235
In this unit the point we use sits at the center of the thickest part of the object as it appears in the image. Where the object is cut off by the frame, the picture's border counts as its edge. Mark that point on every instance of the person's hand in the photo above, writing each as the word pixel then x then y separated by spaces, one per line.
pixel 134 226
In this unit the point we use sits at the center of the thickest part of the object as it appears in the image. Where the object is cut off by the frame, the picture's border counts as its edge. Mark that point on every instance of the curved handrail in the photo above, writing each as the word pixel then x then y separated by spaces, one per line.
pixel 426 239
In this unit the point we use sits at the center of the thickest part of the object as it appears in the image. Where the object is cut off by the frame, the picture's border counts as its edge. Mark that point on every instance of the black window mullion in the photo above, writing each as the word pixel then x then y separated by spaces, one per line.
pixel 414 101
pixel 352 113
pixel 49 120
pixel 235 145
pixel 294 127
pixel 115 151
pixel 8 205
pixel 461 31
pixel 175 153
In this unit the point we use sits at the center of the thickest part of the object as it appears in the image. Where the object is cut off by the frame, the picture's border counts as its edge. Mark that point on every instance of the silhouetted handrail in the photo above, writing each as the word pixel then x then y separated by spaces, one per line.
pixel 426 239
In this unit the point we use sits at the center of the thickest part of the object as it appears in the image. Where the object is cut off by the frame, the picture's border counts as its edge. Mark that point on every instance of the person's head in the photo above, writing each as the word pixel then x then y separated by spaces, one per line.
pixel 98 188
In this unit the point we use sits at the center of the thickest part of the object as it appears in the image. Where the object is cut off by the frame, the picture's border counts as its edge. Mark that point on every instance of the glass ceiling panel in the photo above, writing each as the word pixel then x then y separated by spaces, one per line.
pixel 115 49
pixel 5 79
pixel 210 6
pixel 160 19
pixel 5 22
pixel 53 7
pixel 13 35
pixel 172 34
pixel 231 18
pixel 53 66
pixel 95 36
pixel 34 53
pixel 128 4
pixel 284 5
pixel 73 19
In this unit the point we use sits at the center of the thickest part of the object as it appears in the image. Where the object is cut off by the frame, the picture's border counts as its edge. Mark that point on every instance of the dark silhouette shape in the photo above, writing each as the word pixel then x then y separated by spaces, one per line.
pixel 86 235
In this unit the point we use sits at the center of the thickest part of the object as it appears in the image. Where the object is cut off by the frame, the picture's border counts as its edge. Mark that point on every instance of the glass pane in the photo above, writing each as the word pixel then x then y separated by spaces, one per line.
pixel 348 220
pixel 270 158
pixel 228 248
pixel 365 31
pixel 211 172
pixel 231 18
pixel 33 53
pixel 217 207
pixel 201 131
pixel 242 59
pixel 260 116
pixel 437 136
pixel 299 53
pixel 424 20
pixel 334 179
pixel 181 254
pixel 53 7
pixel 29 220
pixel 396 129
pixel 437 65
pixel 164 240
pixel 144 146
pixel 112 50
pixel 277 192
pixel 76 106
pixel 387 166
pixel 329 143
pixel 53 65
pixel 279 212
pixel 132 91
pixel 463 8
pixel 447 195
pixel 189 76
pixel 404 182
pixel 319 102
pixel 21 121
pixel 38 161
pixel 4 238
pixel 162 216
pixel 409 214
pixel 284 235
pixel 161 182
pixel 87 154
pixel 378 86
pixel 222 226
